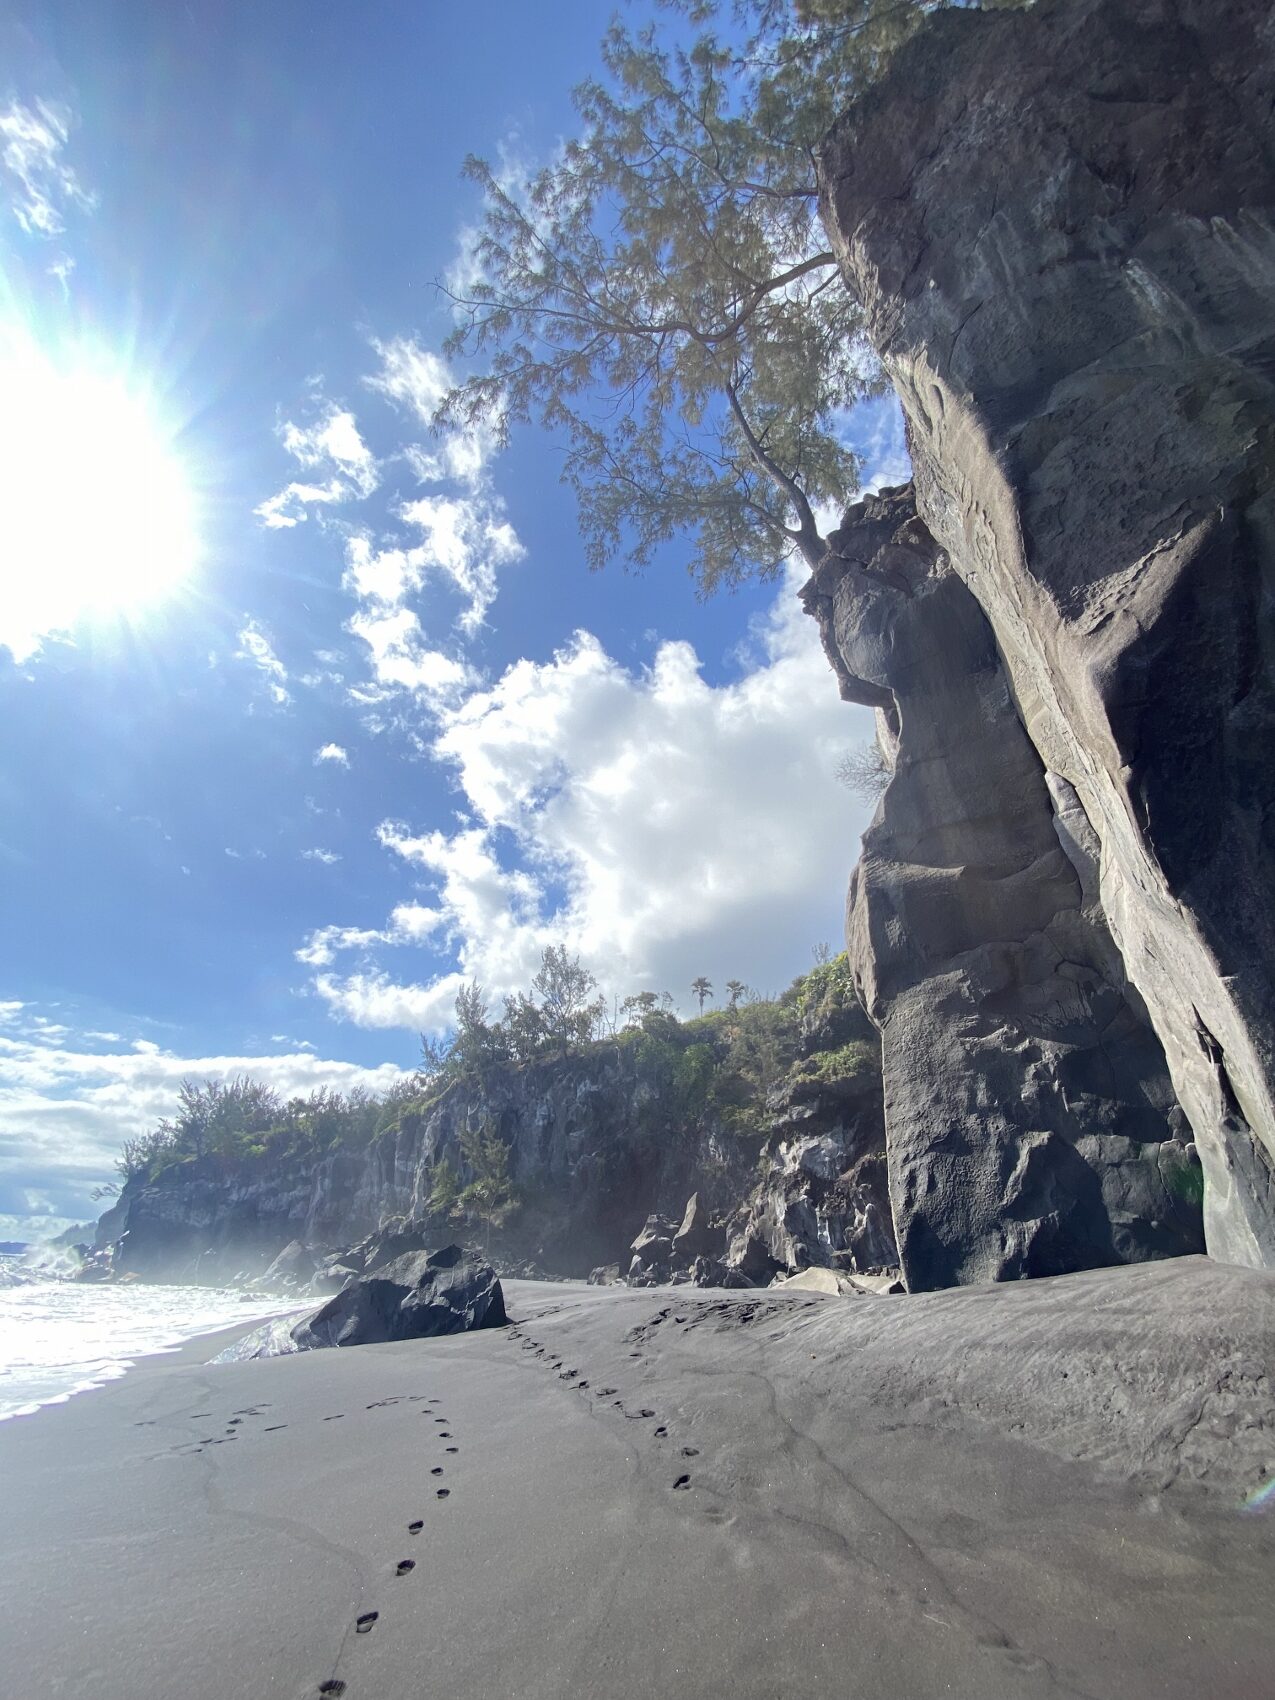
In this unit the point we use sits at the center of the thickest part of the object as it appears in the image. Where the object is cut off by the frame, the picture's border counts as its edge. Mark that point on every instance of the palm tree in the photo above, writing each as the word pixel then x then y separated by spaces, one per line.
pixel 736 988
pixel 702 988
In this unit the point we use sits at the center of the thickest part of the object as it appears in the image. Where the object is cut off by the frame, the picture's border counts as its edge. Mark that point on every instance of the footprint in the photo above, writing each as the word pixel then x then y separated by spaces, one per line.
pixel 274 1428
pixel 334 1418
pixel 661 1432
pixel 444 1434
pixel 682 1482
pixel 581 1385
pixel 404 1565
pixel 333 1686
pixel 233 1421
pixel 363 1625
pixel 437 1470
pixel 442 1493
pixel 453 1448
pixel 690 1452
pixel 196 1414
pixel 605 1392
pixel 416 1527
pixel 440 1419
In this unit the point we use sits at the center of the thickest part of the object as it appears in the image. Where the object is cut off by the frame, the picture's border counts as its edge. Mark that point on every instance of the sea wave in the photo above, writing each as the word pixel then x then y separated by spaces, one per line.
pixel 58 1338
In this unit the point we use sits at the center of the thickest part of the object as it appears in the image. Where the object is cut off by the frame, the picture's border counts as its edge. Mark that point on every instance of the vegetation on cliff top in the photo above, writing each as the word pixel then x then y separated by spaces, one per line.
pixel 717 1067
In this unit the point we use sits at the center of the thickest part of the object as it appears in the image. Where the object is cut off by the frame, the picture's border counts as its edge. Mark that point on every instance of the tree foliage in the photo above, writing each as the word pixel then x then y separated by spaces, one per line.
pixel 663 299
pixel 489 1194
pixel 715 1069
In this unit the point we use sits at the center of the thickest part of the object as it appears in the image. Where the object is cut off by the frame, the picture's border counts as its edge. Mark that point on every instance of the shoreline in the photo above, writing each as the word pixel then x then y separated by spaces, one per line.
pixel 718 1491
pixel 119 1362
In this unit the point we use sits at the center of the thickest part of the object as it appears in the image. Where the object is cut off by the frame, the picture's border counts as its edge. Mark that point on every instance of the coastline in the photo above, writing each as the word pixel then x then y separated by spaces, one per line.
pixel 747 1492
pixel 100 1354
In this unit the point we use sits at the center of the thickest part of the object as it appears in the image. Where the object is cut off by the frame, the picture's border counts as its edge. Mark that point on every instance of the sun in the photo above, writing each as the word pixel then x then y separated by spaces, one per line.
pixel 96 512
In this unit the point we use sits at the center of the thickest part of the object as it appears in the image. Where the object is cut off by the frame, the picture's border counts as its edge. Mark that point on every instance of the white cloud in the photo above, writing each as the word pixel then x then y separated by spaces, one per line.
pixel 256 647
pixel 327 857
pixel 333 753
pixel 64 1113
pixel 332 446
pixel 413 376
pixel 41 186
pixel 401 658
pixel 660 826
pixel 409 923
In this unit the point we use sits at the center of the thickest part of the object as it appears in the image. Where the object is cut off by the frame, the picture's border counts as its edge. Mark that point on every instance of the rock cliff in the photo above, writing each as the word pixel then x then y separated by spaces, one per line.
pixel 788 1170
pixel 1032 1127
pixel 1060 224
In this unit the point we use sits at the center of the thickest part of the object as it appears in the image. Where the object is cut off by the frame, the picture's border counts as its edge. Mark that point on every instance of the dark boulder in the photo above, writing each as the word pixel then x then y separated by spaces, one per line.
pixel 413 1297
pixel 417 1295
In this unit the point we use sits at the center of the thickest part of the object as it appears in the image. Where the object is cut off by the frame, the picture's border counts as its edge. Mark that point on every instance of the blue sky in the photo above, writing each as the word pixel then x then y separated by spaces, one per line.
pixel 386 732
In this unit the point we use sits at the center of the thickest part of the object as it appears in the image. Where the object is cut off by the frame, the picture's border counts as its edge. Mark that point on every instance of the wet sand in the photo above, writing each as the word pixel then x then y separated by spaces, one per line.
pixel 1011 1492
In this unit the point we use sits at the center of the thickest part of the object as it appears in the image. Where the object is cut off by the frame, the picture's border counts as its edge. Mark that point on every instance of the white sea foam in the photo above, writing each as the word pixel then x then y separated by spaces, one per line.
pixel 58 1338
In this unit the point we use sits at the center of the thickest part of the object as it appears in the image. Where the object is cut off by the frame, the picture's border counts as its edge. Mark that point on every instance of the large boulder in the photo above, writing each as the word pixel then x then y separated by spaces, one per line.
pixel 418 1295
pixel 1082 347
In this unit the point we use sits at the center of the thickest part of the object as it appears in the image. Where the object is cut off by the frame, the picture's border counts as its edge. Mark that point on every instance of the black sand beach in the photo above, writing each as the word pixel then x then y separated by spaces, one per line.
pixel 1029 1490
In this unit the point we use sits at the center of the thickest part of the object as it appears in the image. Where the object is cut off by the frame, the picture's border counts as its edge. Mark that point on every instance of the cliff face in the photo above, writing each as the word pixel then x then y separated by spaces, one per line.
pixel 1059 222
pixel 1032 1127
pixel 598 1141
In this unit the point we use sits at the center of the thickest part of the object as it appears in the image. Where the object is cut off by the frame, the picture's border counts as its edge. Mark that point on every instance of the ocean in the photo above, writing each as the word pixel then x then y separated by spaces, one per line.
pixel 58 1338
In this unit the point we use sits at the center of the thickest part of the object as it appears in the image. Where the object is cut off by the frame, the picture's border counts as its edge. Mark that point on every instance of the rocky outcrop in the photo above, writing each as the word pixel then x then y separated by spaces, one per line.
pixel 414 1297
pixel 597 1141
pixel 1059 222
pixel 1031 1125
pixel 822 1198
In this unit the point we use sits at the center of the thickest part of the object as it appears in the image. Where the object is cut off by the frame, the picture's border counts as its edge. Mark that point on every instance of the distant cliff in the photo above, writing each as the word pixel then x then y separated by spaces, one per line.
pixel 1061 225
pixel 771 1114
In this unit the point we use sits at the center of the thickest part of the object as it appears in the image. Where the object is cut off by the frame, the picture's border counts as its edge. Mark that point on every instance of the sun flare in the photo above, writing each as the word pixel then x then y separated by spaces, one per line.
pixel 96 512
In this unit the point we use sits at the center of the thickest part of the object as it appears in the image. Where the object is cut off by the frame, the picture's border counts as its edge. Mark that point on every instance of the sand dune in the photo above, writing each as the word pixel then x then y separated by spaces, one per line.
pixel 1022 1491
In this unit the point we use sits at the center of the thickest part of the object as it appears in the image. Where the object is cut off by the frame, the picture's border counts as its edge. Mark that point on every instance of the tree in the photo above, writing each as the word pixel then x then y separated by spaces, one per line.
pixel 217 1117
pixel 563 985
pixel 638 1007
pixel 444 1192
pixel 735 990
pixel 489 1195
pixel 663 298
pixel 524 1026
pixel 701 989
pixel 864 771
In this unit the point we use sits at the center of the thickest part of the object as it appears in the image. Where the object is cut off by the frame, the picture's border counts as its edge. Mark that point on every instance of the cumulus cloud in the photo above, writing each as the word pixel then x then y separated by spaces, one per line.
pixel 332 447
pixel 447 531
pixel 327 857
pixel 255 646
pixel 332 753
pixel 64 1112
pixel 409 923
pixel 660 826
pixel 41 186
